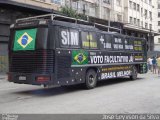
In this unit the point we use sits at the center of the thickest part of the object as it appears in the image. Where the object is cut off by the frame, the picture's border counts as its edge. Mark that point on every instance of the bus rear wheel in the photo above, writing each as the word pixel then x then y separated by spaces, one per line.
pixel 134 73
pixel 91 79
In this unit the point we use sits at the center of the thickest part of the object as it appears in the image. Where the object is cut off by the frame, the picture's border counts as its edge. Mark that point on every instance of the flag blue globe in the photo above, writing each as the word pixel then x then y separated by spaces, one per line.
pixel 80 57
pixel 24 40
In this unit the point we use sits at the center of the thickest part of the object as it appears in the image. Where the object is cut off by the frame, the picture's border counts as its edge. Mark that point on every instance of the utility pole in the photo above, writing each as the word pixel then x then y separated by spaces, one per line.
pixel 109 21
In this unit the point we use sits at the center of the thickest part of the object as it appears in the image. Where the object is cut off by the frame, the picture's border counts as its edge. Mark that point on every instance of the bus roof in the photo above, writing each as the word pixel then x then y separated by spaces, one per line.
pixel 56 17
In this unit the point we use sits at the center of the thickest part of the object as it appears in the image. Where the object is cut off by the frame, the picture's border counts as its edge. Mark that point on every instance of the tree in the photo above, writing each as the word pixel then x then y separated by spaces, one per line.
pixel 72 13
pixel 69 12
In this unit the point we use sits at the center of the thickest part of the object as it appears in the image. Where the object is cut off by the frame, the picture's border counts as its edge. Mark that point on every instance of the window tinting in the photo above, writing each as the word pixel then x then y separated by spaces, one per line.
pixel 85 40
pixel 74 38
pixel 42 36
pixel 105 41
pixel 118 43
pixel 108 40
pixel 128 42
pixel 89 40
pixel 138 45
pixel 93 40
pixel 101 38
pixel 64 37
pixel 69 37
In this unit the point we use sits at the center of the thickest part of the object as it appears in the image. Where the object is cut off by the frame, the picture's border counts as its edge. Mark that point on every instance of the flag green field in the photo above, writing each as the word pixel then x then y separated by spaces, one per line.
pixel 25 39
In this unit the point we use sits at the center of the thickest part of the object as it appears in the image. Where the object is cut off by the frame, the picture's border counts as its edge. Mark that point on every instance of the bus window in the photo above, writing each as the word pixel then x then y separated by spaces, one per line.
pixel 69 38
pixel 89 40
pixel 85 40
pixel 138 45
pixel 101 38
pixel 64 37
pixel 108 41
pixel 105 41
pixel 93 40
pixel 42 36
pixel 118 43
pixel 74 38
pixel 30 39
pixel 128 44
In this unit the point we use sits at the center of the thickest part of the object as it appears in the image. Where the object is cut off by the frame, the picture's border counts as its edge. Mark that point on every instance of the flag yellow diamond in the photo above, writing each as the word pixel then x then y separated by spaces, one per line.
pixel 24 40
pixel 80 58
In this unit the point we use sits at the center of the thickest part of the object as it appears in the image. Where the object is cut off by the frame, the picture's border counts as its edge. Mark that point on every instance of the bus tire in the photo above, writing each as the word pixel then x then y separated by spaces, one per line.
pixel 134 73
pixel 91 79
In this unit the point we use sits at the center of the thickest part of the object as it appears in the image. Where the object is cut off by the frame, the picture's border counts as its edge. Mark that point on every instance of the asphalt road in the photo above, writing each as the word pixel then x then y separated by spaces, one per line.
pixel 111 96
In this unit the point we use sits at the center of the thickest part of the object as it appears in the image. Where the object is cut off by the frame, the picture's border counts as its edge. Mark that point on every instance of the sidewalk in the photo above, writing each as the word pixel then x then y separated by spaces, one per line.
pixel 3 76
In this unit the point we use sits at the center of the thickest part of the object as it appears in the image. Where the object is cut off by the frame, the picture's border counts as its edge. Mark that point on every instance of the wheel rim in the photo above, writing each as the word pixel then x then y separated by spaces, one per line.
pixel 91 80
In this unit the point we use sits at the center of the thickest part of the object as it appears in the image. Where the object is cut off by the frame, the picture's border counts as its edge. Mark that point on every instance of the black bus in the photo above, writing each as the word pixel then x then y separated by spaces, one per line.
pixel 61 52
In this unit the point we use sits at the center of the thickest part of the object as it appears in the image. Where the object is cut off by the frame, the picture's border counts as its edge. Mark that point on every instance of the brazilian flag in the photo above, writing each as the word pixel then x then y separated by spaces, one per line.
pixel 79 57
pixel 25 39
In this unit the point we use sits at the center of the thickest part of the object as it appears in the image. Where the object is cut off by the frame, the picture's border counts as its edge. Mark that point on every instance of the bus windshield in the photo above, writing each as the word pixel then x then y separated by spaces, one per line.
pixel 30 39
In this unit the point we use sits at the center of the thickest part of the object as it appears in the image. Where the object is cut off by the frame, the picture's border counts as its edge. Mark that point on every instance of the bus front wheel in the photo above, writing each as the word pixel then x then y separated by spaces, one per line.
pixel 134 73
pixel 91 79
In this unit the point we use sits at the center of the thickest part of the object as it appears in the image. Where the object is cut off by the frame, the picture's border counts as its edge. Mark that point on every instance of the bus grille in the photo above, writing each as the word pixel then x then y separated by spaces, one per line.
pixel 39 61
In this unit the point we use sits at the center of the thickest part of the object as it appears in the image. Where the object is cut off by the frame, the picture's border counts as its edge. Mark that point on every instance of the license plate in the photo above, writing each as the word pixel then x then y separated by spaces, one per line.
pixel 22 77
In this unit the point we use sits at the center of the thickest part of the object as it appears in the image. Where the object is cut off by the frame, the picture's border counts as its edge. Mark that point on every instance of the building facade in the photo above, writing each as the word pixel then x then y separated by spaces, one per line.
pixel 140 19
pixel 134 17
pixel 103 9
pixel 10 10
pixel 157 38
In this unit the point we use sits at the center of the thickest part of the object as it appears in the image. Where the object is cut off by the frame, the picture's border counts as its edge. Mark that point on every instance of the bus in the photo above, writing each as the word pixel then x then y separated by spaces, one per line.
pixel 58 50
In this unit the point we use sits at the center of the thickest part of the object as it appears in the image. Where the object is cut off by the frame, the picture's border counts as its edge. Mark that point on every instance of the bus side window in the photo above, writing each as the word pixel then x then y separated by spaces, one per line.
pixel 85 39
pixel 92 40
pixel 118 43
pixel 64 37
pixel 108 42
pixel 128 44
pixel 101 38
pixel 69 38
pixel 126 41
pixel 74 38
pixel 138 45
pixel 89 40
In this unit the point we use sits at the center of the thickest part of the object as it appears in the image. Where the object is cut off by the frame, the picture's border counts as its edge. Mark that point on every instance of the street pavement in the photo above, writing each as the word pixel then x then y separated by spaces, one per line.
pixel 110 96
